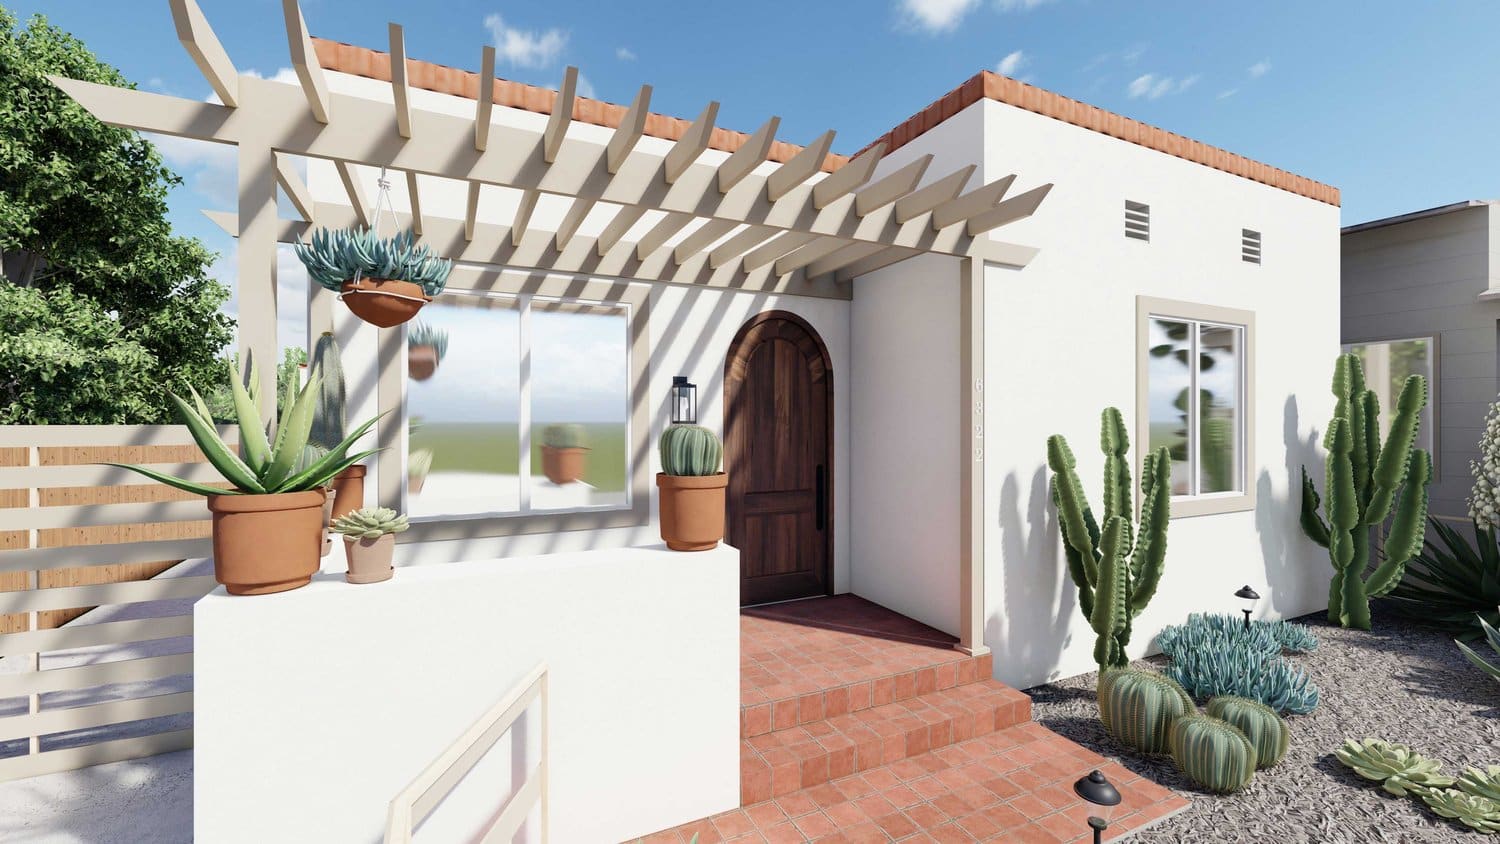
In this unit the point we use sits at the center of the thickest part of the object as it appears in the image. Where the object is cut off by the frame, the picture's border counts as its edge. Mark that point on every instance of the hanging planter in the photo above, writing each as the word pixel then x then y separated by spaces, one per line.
pixel 383 281
pixel 425 347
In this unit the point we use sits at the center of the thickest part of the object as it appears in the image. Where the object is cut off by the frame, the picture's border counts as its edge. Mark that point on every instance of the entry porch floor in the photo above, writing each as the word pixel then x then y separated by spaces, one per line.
pixel 861 725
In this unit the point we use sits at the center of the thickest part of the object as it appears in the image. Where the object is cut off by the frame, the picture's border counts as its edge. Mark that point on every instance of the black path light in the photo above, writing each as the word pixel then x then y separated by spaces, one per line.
pixel 684 401
pixel 1249 596
pixel 1097 790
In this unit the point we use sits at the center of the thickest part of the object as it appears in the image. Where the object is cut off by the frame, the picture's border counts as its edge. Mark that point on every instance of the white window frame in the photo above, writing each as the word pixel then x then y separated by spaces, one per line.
pixel 1201 504
pixel 526 289
pixel 1434 407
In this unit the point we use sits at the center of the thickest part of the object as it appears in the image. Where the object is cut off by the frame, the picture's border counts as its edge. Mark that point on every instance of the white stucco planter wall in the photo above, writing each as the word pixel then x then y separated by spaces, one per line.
pixel 315 707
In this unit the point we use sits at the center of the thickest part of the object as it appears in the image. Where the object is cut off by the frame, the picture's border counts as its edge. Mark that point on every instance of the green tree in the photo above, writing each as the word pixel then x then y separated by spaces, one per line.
pixel 105 310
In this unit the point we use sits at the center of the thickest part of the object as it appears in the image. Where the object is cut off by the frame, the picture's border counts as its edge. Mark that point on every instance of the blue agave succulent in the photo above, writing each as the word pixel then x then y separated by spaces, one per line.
pixel 334 256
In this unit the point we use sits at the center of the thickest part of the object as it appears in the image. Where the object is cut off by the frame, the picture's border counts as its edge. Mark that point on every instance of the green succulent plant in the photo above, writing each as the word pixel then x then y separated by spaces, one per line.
pixel 269 460
pixel 1266 730
pixel 567 435
pixel 690 451
pixel 1139 707
pixel 419 463
pixel 370 523
pixel 1451 581
pixel 1212 753
pixel 1215 665
pixel 1480 814
pixel 1479 783
pixel 1492 637
pixel 1116 569
pixel 422 334
pixel 1397 768
pixel 329 413
pixel 334 256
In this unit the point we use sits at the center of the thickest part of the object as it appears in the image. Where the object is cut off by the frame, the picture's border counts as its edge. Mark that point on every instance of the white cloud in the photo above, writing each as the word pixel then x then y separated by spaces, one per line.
pixel 625 54
pixel 936 15
pixel 291 293
pixel 1154 87
pixel 1011 64
pixel 585 87
pixel 1260 68
pixel 207 168
pixel 526 48
pixel 1019 5
pixel 1227 93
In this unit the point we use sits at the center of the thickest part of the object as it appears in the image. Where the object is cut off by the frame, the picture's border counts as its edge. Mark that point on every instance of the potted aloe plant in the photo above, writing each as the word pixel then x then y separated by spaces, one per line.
pixel 328 428
pixel 383 281
pixel 692 488
pixel 268 527
pixel 425 347
pixel 563 453
pixel 370 541
pixel 418 464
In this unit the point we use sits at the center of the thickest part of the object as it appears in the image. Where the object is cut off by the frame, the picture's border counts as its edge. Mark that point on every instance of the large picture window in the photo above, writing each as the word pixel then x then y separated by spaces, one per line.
pixel 1387 364
pixel 1195 400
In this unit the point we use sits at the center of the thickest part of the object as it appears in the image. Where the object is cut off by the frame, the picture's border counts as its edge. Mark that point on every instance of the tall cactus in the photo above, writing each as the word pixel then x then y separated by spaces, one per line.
pixel 328 413
pixel 1367 482
pixel 1117 569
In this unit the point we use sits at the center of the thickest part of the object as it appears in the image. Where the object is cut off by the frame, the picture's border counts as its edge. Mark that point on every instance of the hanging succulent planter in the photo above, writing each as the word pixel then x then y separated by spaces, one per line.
pixel 425 347
pixel 383 281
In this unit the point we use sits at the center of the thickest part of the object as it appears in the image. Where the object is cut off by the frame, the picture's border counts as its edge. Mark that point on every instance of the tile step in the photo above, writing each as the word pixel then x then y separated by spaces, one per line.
pixel 777 763
pixel 781 708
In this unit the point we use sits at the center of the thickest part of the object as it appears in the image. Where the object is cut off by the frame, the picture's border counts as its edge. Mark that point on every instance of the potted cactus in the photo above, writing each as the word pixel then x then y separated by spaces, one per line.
pixel 418 464
pixel 268 527
pixel 692 488
pixel 425 347
pixel 329 422
pixel 563 453
pixel 369 541
pixel 383 281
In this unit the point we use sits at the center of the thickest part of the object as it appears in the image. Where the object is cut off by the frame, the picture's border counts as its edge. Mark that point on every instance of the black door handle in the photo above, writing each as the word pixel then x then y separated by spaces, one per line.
pixel 821 517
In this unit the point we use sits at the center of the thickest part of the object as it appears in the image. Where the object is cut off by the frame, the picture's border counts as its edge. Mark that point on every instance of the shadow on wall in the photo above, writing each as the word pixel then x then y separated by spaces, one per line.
pixel 1030 634
pixel 1285 550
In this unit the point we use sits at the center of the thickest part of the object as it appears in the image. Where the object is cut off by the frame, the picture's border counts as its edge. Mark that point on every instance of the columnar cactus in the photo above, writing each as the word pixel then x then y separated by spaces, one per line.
pixel 1116 569
pixel 1211 753
pixel 1138 707
pixel 690 451
pixel 1364 480
pixel 330 406
pixel 1266 730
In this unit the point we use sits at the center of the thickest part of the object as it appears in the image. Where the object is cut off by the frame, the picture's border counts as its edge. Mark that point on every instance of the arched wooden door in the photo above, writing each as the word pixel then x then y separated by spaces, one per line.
pixel 778 451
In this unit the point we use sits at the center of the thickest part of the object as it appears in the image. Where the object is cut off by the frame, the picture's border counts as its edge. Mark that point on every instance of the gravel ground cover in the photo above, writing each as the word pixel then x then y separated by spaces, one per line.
pixel 1400 682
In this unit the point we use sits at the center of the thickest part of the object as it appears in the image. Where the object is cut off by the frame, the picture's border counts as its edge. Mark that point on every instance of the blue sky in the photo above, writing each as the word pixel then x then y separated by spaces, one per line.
pixel 1393 102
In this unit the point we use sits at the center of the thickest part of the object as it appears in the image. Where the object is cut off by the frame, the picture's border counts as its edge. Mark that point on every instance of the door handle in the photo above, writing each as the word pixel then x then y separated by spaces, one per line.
pixel 821 516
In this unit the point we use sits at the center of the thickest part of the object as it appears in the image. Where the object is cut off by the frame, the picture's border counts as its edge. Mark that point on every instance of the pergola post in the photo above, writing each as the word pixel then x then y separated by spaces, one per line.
pixel 256 264
pixel 971 439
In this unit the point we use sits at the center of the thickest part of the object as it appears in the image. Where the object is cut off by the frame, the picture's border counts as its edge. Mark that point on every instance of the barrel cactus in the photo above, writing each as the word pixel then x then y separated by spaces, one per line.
pixel 1138 707
pixel 1212 753
pixel 1397 768
pixel 1366 483
pixel 1116 568
pixel 370 523
pixel 1266 730
pixel 690 451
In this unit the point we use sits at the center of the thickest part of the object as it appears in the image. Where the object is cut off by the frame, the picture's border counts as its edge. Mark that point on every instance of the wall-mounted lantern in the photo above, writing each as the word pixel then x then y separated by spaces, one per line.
pixel 684 401
pixel 1097 790
pixel 1248 596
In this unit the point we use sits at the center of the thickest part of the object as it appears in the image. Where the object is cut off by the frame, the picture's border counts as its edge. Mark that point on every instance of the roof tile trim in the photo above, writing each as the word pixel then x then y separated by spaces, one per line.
pixel 993 86
pixel 373 64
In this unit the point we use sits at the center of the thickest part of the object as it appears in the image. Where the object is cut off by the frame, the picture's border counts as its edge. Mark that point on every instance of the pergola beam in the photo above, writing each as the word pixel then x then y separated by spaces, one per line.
pixel 701 237
pixel 305 61
pixel 574 218
pixel 471 210
pixel 847 178
pixel 631 127
pixel 799 258
pixel 739 245
pixel 292 187
pixel 659 234
pixel 561 116
pixel 774 248
pixel 802 166
pixel 485 103
pixel 974 202
pixel 692 144
pixel 208 54
pixel 355 192
pixel 522 222
pixel 400 91
pixel 414 198
pixel 925 199
pixel 842 258
pixel 755 150
pixel 1013 209
pixel 623 221
pixel 891 187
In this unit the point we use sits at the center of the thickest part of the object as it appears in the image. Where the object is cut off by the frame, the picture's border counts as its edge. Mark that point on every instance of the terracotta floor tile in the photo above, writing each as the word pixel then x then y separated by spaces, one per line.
pixel 731 824
pixel 815 825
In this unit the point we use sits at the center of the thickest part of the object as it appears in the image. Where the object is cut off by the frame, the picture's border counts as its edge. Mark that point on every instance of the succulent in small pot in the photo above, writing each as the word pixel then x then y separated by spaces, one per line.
pixel 418 464
pixel 691 488
pixel 268 527
pixel 383 281
pixel 369 541
pixel 563 453
pixel 425 347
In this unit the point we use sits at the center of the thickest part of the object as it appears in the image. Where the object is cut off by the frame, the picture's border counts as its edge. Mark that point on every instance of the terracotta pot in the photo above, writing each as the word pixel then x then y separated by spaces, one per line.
pixel 421 362
pixel 266 543
pixel 563 465
pixel 348 491
pixel 383 302
pixel 369 559
pixel 692 510
pixel 327 520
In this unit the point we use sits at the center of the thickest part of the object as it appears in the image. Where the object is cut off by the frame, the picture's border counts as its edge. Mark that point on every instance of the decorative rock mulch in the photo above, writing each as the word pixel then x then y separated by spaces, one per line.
pixel 1400 682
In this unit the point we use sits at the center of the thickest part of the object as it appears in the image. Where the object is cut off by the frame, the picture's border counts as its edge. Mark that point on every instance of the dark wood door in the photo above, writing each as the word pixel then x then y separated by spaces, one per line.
pixel 778 439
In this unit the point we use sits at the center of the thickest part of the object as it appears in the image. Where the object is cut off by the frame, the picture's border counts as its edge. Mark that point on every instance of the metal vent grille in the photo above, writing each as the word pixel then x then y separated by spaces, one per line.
pixel 1250 246
pixel 1138 220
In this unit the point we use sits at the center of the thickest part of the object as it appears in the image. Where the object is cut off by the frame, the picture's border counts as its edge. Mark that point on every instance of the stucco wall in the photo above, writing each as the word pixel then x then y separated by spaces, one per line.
pixel 1422 279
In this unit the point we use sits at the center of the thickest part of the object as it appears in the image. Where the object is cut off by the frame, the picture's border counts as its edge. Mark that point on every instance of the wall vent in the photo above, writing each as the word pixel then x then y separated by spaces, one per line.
pixel 1138 220
pixel 1249 246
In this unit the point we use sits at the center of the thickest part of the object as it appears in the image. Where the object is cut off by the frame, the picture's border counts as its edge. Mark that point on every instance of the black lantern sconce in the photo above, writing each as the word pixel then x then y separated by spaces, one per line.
pixel 1097 790
pixel 1249 597
pixel 684 401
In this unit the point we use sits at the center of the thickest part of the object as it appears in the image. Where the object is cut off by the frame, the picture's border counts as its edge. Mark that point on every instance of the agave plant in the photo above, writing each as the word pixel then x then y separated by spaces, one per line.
pixel 1452 580
pixel 1492 636
pixel 1480 814
pixel 335 256
pixel 1398 768
pixel 270 460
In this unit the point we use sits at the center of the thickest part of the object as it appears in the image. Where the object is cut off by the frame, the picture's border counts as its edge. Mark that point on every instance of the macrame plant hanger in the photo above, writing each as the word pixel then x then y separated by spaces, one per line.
pixel 382 203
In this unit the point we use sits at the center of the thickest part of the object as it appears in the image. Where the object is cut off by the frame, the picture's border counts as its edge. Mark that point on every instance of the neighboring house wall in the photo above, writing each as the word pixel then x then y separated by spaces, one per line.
pixel 1061 346
pixel 1422 278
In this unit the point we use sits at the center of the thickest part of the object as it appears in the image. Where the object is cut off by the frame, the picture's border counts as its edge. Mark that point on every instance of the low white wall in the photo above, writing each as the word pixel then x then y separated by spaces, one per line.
pixel 313 708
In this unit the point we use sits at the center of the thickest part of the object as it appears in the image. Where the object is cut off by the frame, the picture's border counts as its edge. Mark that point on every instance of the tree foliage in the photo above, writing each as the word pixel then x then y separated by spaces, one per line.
pixel 105 309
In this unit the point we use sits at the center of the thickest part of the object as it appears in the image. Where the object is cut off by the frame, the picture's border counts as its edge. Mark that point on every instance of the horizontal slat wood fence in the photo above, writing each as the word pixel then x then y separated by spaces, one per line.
pixel 77 536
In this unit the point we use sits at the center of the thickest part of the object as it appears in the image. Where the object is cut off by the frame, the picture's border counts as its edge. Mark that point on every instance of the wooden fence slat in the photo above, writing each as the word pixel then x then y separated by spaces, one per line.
pixel 103 435
pixel 94 715
pixel 123 592
pixel 53 761
pixel 43 559
pixel 85 635
pixel 92 474
pixel 93 515
pixel 97 674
